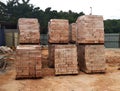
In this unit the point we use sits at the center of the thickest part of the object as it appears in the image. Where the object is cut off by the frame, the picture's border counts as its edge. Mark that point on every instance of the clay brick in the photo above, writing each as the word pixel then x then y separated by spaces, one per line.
pixel 51 53
pixel 112 56
pixel 65 58
pixel 91 58
pixel 73 32
pixel 29 30
pixel 28 61
pixel 90 29
pixel 58 31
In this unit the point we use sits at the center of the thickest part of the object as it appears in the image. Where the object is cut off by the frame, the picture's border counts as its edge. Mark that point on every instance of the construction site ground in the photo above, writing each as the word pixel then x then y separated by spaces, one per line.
pixel 109 81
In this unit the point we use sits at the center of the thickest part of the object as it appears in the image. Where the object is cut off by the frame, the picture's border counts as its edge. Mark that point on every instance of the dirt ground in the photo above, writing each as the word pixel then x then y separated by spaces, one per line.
pixel 109 81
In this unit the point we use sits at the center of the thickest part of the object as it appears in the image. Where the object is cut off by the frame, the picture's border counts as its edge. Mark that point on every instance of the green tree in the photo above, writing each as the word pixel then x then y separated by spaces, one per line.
pixel 14 10
pixel 3 8
pixel 112 26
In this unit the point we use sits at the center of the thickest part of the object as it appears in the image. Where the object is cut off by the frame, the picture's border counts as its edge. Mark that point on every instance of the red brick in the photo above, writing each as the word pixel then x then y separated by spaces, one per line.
pixel 90 29
pixel 65 58
pixel 91 58
pixel 58 31
pixel 28 61
pixel 73 32
pixel 29 30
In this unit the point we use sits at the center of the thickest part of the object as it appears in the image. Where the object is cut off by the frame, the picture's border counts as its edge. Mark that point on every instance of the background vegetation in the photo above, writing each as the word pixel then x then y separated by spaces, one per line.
pixel 13 10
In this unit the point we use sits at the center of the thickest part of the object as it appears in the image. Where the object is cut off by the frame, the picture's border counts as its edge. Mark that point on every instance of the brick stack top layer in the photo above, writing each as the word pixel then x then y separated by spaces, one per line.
pixel 58 31
pixel 73 30
pixel 29 30
pixel 28 47
pixel 90 29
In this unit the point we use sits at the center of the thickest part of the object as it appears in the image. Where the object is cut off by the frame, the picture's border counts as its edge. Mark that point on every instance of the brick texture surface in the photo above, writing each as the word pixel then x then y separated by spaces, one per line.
pixel 65 59
pixel 73 32
pixel 51 54
pixel 28 61
pixel 91 58
pixel 90 29
pixel 29 30
pixel 58 31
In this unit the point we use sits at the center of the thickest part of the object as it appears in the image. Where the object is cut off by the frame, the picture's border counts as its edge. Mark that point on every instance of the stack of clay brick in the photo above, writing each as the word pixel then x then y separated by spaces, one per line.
pixel 62 56
pixel 90 39
pixel 29 31
pixel 28 59
pixel 73 33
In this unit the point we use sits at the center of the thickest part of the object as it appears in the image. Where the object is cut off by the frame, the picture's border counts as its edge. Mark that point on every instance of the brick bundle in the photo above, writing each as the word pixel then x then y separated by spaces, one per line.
pixel 28 63
pixel 29 31
pixel 90 29
pixel 66 59
pixel 112 56
pixel 58 31
pixel 28 57
pixel 90 39
pixel 91 58
pixel 61 55
pixel 51 50
pixel 73 32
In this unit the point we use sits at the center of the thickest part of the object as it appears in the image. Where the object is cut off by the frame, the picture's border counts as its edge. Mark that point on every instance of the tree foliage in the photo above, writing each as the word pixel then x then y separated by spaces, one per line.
pixel 14 10
pixel 112 26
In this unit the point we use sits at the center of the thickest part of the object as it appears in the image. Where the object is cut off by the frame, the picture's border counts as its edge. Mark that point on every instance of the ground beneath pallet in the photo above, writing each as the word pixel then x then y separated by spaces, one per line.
pixel 109 81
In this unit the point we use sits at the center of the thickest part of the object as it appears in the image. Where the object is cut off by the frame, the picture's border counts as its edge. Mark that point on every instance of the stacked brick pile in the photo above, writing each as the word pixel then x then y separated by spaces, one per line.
pixel 73 33
pixel 51 49
pixel 29 31
pixel 90 29
pixel 28 59
pixel 58 31
pixel 91 58
pixel 66 59
pixel 28 63
pixel 90 39
pixel 61 55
